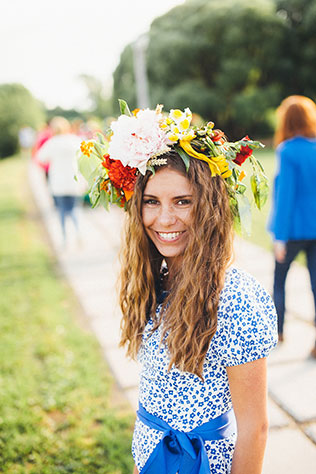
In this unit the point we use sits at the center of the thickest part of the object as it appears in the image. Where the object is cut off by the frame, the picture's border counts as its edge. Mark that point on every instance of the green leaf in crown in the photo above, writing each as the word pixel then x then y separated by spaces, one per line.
pixel 124 108
pixel 111 162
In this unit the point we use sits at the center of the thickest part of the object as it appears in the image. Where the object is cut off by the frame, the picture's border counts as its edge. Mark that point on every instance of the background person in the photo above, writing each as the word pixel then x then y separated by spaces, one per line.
pixel 42 136
pixel 26 139
pixel 59 152
pixel 293 217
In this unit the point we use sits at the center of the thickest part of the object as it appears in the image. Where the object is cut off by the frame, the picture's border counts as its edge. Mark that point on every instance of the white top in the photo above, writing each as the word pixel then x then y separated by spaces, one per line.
pixel 60 152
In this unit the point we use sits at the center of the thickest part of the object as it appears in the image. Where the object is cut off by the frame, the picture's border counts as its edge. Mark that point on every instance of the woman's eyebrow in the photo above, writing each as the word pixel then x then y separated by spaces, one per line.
pixel 181 196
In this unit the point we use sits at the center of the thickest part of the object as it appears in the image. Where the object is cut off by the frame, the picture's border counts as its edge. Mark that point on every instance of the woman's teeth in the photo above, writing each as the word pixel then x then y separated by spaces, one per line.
pixel 169 235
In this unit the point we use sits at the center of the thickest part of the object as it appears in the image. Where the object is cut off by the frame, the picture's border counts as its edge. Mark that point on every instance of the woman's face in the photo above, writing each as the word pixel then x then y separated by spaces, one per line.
pixel 166 211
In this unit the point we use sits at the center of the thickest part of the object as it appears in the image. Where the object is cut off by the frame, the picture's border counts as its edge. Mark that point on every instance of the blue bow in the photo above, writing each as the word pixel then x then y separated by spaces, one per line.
pixel 184 452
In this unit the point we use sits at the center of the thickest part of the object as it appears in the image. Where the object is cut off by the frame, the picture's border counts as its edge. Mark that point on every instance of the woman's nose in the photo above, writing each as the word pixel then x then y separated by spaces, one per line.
pixel 166 216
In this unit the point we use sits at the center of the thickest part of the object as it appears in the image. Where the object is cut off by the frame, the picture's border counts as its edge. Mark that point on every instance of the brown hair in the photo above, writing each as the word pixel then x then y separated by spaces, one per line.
pixel 190 310
pixel 60 125
pixel 295 116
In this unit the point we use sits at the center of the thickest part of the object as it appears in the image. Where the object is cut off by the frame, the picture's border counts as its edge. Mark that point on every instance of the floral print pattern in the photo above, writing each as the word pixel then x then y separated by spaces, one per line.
pixel 246 331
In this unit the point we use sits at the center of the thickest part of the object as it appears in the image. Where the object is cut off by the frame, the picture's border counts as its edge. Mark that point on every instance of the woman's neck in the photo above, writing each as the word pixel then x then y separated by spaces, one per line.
pixel 173 264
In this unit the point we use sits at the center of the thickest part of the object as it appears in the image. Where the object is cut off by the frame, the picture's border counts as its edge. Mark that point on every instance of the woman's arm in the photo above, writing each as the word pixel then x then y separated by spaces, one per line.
pixel 248 387
pixel 135 470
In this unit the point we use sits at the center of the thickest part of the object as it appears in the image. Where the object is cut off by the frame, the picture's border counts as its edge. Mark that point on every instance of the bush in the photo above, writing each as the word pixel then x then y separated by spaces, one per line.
pixel 18 108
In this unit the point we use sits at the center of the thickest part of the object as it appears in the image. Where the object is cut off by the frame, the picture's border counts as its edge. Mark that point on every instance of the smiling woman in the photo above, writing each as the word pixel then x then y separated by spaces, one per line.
pixel 166 213
pixel 181 219
pixel 200 328
pixel 184 311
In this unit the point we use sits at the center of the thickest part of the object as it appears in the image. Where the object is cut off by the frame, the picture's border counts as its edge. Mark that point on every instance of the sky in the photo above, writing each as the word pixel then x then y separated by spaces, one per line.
pixel 47 45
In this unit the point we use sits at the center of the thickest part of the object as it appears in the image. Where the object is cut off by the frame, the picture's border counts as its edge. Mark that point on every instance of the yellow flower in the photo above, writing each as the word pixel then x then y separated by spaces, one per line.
pixel 172 137
pixel 222 165
pixel 184 124
pixel 217 164
pixel 177 134
pixel 86 148
pixel 179 125
pixel 176 115
pixel 165 123
pixel 242 175
pixel 189 136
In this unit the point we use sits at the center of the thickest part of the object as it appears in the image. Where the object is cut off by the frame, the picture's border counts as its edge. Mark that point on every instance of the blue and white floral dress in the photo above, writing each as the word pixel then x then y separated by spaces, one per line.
pixel 246 331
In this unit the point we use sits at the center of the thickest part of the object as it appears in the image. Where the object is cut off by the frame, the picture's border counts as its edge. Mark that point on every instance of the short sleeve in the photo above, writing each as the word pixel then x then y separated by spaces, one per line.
pixel 247 321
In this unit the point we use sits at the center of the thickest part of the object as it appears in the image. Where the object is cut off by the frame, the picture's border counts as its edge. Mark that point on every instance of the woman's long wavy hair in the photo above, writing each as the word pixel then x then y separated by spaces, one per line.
pixel 190 310
pixel 296 116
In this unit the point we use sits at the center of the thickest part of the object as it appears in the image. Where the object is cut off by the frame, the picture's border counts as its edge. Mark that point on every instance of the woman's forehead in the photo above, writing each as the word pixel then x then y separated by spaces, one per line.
pixel 168 180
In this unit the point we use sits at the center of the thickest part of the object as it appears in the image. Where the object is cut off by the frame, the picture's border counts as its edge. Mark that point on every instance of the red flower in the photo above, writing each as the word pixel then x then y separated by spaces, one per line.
pixel 122 177
pixel 217 136
pixel 244 153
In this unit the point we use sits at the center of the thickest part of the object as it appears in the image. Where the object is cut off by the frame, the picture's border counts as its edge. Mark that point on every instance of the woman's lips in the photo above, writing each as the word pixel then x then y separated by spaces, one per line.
pixel 169 236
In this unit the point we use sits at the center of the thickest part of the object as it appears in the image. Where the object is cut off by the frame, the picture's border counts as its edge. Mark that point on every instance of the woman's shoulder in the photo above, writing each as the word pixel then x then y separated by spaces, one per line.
pixel 238 280
pixel 295 143
pixel 243 297
pixel 247 321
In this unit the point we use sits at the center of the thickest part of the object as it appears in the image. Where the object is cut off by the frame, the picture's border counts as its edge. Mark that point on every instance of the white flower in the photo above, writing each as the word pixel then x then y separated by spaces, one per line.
pixel 188 113
pixel 177 115
pixel 180 125
pixel 137 139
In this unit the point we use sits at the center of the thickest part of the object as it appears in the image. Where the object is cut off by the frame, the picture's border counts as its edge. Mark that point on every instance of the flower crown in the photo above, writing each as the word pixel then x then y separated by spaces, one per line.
pixel 136 142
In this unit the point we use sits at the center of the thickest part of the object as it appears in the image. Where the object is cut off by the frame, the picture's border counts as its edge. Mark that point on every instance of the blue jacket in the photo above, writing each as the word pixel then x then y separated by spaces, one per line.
pixel 293 215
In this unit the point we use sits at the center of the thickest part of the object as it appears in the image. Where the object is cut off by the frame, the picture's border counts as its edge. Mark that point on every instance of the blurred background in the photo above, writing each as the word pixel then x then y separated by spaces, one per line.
pixel 231 62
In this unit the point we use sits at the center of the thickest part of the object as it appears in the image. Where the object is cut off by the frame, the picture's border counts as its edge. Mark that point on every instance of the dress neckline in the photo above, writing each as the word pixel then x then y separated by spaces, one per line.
pixel 162 295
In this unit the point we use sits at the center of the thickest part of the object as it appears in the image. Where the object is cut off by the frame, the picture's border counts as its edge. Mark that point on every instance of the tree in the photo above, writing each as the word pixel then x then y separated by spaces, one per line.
pixel 231 61
pixel 219 58
pixel 99 95
pixel 300 39
pixel 18 108
pixel 69 114
pixel 124 79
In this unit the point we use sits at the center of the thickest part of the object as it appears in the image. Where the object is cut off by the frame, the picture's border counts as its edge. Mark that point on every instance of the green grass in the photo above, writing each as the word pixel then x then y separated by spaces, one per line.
pixel 259 234
pixel 57 409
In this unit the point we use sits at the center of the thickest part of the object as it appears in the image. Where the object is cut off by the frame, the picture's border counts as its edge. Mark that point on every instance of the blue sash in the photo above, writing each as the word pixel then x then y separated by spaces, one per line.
pixel 184 452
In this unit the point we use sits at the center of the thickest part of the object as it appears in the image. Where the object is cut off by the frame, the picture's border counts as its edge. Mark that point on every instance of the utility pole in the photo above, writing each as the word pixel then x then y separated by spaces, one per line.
pixel 139 53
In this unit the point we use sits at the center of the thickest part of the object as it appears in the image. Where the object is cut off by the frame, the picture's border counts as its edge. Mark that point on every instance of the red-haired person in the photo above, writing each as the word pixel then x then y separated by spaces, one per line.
pixel 293 217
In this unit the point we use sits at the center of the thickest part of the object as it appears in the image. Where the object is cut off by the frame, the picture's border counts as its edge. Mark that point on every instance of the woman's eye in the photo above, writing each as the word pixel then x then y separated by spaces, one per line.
pixel 184 202
pixel 150 201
